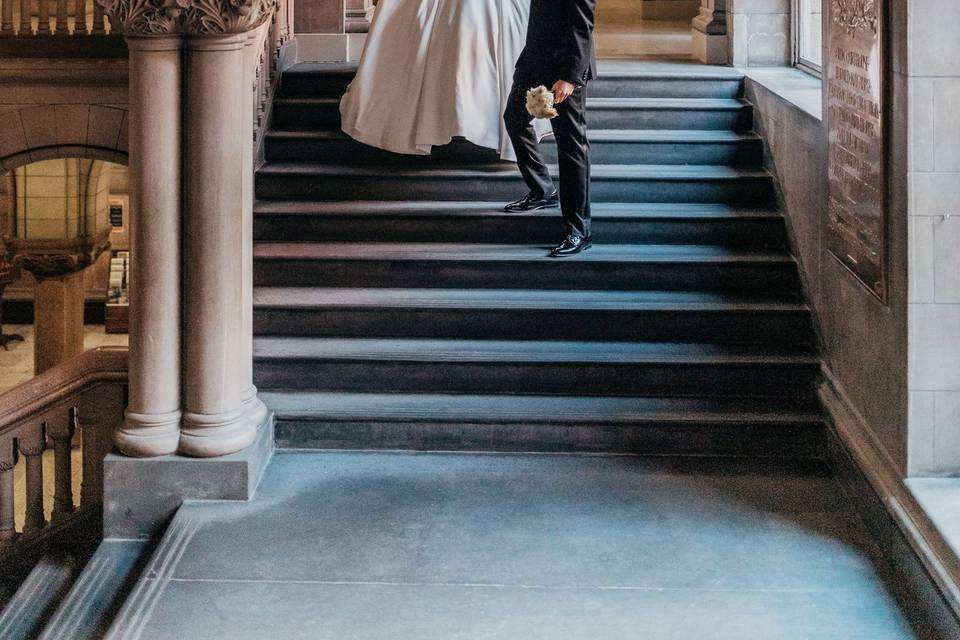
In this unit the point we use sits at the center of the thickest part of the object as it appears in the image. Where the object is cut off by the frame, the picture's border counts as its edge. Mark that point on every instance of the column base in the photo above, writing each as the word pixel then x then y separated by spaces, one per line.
pixel 147 435
pixel 213 435
pixel 709 48
pixel 254 408
pixel 141 495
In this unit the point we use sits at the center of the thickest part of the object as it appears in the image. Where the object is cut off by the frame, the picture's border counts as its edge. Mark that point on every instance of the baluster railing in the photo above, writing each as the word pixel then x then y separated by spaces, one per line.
pixel 43 28
pixel 277 33
pixel 60 429
pixel 8 460
pixel 60 25
pixel 80 19
pixel 98 28
pixel 6 18
pixel 32 445
pixel 80 400
pixel 26 11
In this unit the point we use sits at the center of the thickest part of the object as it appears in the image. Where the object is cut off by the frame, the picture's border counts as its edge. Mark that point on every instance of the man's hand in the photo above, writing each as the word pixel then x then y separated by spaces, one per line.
pixel 562 90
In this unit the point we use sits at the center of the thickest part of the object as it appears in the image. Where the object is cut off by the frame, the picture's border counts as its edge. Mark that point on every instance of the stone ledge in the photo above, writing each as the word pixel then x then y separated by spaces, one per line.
pixel 926 562
pixel 797 87
pixel 141 494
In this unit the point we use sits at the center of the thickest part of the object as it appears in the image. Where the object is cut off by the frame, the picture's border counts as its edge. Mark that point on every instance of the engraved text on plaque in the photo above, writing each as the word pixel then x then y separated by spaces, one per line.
pixel 856 226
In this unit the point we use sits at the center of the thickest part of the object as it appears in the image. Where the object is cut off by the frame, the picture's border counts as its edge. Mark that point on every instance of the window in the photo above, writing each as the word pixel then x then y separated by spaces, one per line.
pixel 807 34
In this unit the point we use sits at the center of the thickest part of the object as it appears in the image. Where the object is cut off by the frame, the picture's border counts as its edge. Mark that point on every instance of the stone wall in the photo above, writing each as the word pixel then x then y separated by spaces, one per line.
pixel 929 155
pixel 759 32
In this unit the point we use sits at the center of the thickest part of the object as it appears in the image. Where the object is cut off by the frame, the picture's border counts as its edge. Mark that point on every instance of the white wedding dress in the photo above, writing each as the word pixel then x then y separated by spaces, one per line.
pixel 432 70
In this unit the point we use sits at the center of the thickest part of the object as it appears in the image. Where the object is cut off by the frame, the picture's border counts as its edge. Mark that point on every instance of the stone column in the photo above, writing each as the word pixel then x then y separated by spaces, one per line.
pixel 58 320
pixel 214 421
pixel 357 15
pixel 710 33
pixel 254 407
pixel 152 422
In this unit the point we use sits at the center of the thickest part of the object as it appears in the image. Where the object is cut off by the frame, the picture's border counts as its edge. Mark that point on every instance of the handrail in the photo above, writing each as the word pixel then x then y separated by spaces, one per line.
pixel 78 402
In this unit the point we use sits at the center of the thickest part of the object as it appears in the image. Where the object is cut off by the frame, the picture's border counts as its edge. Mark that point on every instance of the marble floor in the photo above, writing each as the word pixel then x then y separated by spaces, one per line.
pixel 354 546
pixel 16 364
pixel 621 33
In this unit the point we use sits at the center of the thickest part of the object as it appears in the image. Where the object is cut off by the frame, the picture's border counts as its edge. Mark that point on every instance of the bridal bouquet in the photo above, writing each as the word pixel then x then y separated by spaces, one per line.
pixel 540 103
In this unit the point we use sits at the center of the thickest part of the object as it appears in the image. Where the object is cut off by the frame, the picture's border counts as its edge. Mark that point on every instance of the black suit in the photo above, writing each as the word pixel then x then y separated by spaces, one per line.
pixel 559 47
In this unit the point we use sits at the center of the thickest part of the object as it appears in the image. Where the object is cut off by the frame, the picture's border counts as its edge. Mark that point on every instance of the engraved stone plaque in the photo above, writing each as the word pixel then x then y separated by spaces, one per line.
pixel 856 215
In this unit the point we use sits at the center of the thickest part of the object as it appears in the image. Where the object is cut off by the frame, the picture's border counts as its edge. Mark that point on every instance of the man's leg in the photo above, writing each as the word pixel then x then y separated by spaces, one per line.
pixel 519 126
pixel 570 130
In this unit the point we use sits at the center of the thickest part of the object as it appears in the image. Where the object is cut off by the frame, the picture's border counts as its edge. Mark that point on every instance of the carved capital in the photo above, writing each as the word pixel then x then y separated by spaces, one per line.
pixel 145 17
pixel 187 17
pixel 57 258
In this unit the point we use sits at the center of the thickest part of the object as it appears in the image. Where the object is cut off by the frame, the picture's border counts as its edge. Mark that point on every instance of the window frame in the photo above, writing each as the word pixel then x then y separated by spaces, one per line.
pixel 796 27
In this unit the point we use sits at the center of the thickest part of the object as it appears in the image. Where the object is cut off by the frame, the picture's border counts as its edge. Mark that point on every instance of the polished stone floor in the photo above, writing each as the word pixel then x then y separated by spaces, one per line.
pixel 16 364
pixel 439 546
pixel 622 32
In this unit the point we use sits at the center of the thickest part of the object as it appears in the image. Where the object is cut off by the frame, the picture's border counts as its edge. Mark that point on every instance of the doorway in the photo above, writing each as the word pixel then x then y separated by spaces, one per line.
pixel 637 29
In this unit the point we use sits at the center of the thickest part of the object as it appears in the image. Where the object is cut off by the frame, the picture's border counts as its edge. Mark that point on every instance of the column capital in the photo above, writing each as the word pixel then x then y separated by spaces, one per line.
pixel 154 18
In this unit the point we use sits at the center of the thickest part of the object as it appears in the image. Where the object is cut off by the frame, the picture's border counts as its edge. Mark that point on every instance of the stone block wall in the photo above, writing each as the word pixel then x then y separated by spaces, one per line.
pixel 759 32
pixel 930 71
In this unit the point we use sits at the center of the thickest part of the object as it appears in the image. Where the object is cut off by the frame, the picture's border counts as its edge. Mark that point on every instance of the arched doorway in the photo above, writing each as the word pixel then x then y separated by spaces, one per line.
pixel 64 230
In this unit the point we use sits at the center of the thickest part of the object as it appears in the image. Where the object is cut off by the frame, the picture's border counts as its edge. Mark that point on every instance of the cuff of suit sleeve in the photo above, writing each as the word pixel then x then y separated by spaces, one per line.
pixel 574 77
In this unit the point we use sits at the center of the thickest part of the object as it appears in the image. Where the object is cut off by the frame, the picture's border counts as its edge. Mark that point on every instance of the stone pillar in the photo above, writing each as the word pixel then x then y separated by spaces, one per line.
pixel 152 423
pixel 254 407
pixel 357 15
pixel 214 420
pixel 710 33
pixel 58 320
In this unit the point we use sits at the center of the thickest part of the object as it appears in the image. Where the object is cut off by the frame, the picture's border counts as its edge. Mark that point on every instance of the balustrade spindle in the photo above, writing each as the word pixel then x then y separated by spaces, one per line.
pixel 32 447
pixel 26 28
pixel 80 11
pixel 44 27
pixel 61 28
pixel 61 432
pixel 97 19
pixel 8 528
pixel 6 23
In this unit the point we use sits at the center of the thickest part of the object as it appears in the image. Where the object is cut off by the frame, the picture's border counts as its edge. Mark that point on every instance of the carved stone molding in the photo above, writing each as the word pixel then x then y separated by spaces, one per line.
pixel 187 17
pixel 57 258
pixel 856 15
pixel 145 17
pixel 219 17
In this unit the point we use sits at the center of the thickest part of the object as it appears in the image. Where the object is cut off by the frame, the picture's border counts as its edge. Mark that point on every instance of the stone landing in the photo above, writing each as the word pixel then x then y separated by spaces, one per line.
pixel 440 546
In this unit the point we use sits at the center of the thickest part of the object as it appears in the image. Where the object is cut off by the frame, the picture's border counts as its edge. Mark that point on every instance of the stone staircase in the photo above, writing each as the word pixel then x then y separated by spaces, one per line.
pixel 396 306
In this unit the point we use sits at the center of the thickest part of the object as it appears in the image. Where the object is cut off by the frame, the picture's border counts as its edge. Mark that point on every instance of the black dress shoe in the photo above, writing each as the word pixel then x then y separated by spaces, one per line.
pixel 572 245
pixel 531 202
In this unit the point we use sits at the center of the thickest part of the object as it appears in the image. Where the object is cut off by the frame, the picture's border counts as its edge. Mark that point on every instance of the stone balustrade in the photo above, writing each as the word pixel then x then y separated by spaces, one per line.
pixel 81 401
pixel 29 18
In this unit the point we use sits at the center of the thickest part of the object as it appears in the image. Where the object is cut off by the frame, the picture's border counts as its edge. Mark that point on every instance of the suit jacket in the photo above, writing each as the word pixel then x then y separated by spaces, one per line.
pixel 559 43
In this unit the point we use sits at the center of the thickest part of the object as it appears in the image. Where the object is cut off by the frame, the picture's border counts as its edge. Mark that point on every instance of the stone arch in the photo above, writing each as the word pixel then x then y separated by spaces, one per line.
pixel 47 132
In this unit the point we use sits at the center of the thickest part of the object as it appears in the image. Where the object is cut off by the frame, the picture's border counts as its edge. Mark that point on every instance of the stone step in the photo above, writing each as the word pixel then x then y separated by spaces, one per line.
pixel 607 146
pixel 452 422
pixel 485 222
pixel 616 79
pixel 533 367
pixel 100 590
pixel 601 113
pixel 617 267
pixel 609 183
pixel 38 596
pixel 522 314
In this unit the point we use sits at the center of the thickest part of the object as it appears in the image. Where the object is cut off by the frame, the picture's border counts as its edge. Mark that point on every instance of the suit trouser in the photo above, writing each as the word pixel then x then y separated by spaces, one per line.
pixel 570 132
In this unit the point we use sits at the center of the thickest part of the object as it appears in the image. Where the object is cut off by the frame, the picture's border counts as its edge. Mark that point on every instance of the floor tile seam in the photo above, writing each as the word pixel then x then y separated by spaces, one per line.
pixel 519 586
